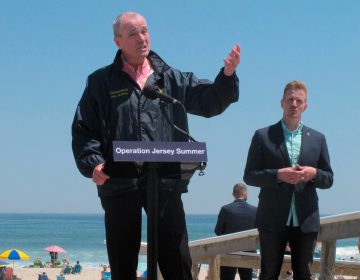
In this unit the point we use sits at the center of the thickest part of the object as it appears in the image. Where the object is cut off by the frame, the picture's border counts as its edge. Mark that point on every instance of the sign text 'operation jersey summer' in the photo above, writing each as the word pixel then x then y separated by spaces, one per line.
pixel 159 151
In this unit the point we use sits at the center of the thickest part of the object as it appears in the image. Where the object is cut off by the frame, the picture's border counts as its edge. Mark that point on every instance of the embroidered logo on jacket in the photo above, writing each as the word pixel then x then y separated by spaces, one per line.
pixel 118 93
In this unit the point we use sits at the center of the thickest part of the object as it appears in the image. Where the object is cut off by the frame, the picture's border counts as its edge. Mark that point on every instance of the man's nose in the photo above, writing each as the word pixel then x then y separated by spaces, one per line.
pixel 141 37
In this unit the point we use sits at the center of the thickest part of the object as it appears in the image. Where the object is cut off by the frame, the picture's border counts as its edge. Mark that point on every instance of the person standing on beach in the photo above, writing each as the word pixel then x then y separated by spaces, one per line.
pixel 113 108
pixel 53 257
pixel 288 161
pixel 234 217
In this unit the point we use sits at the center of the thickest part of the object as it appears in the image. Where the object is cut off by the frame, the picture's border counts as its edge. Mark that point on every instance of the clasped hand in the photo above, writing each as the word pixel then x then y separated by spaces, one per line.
pixel 294 175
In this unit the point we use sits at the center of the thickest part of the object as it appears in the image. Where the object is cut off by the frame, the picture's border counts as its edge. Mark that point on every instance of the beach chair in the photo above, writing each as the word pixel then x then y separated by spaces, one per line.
pixel 43 277
pixel 106 275
pixel 60 277
pixel 67 270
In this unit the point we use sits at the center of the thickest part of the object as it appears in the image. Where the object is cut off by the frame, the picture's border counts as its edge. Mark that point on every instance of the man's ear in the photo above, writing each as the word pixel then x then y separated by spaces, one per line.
pixel 305 106
pixel 117 42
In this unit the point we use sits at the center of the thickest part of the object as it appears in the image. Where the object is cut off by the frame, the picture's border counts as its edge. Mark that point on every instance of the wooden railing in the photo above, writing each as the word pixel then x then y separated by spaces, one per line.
pixel 225 249
pixel 229 249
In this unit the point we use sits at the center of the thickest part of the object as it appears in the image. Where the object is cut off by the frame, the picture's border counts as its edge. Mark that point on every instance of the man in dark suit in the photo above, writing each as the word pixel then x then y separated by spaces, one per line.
pixel 236 216
pixel 288 161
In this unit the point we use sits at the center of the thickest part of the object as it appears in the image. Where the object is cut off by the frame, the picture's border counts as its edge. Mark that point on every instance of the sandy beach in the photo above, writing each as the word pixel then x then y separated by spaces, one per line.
pixel 32 273
pixel 86 273
pixel 93 273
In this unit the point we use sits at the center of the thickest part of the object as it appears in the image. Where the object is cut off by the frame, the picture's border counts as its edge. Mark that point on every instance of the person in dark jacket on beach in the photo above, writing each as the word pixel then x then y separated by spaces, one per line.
pixel 113 108
pixel 234 217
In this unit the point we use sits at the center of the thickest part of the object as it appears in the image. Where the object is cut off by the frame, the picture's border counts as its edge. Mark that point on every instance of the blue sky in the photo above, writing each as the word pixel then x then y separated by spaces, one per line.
pixel 48 48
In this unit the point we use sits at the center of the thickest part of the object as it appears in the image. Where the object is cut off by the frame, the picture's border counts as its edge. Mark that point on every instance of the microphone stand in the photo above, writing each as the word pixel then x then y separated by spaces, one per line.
pixel 186 133
pixel 152 220
pixel 153 206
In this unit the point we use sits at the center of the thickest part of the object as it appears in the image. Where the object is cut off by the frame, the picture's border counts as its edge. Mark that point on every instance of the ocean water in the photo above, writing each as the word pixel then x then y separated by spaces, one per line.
pixel 83 235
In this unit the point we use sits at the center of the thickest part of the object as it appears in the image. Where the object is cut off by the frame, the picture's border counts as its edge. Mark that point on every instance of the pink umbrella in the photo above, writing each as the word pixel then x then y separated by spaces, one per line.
pixel 54 248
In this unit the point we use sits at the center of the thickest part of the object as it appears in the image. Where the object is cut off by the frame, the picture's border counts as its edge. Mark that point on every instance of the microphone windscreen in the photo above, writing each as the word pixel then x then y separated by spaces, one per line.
pixel 150 91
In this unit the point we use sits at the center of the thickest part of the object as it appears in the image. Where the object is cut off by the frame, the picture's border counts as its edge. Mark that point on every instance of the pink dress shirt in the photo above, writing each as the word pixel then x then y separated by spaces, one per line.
pixel 141 74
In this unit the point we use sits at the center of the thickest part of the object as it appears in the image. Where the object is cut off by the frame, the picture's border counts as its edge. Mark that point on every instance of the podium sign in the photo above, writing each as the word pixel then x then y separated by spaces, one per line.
pixel 190 155
pixel 159 151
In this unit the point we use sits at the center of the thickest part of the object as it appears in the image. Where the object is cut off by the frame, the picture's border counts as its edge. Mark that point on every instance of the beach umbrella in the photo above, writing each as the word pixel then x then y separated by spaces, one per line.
pixel 14 254
pixel 55 249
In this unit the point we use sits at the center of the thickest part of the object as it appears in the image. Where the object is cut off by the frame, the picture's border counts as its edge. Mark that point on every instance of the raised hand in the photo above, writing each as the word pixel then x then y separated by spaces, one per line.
pixel 232 61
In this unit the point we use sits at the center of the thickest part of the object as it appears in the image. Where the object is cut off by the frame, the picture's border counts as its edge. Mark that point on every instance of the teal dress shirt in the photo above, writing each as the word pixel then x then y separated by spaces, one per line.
pixel 293 146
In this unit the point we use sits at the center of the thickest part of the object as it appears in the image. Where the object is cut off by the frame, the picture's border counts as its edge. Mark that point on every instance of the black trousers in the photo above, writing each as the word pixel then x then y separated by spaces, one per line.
pixel 123 235
pixel 229 273
pixel 272 249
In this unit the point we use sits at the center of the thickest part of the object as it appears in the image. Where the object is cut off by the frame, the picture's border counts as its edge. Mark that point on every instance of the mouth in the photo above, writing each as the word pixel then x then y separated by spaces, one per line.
pixel 143 48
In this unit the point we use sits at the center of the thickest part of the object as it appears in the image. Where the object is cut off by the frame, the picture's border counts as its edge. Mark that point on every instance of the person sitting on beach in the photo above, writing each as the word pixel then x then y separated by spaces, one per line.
pixel 104 269
pixel 105 274
pixel 68 269
pixel 76 268
pixel 317 250
pixel 38 263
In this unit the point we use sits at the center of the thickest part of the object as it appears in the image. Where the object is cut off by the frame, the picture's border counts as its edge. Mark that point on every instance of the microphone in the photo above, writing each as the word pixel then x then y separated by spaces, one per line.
pixel 153 92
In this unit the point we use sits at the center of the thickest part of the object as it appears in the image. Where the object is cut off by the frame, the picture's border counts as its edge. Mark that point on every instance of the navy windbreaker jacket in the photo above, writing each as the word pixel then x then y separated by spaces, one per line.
pixel 112 108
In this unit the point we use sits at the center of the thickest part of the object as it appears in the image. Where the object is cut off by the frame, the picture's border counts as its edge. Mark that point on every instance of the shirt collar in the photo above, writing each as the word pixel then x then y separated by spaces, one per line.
pixel 297 130
pixel 144 68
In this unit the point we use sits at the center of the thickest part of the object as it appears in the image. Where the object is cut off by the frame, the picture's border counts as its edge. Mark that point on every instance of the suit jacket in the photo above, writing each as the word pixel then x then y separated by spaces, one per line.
pixel 267 154
pixel 236 216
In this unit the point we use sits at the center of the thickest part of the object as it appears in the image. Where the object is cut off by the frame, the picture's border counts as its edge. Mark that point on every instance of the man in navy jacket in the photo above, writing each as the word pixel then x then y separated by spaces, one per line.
pixel 234 217
pixel 288 161
pixel 114 108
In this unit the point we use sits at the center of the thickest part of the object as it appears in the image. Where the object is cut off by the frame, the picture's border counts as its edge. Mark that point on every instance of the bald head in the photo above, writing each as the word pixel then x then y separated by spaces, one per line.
pixel 119 20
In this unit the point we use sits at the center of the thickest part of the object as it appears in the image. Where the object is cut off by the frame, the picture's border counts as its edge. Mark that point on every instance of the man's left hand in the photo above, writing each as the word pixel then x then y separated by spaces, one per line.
pixel 232 61
pixel 309 173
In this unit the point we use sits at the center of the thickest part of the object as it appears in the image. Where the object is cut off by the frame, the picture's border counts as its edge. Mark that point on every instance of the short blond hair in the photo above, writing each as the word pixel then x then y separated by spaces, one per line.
pixel 239 190
pixel 294 85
